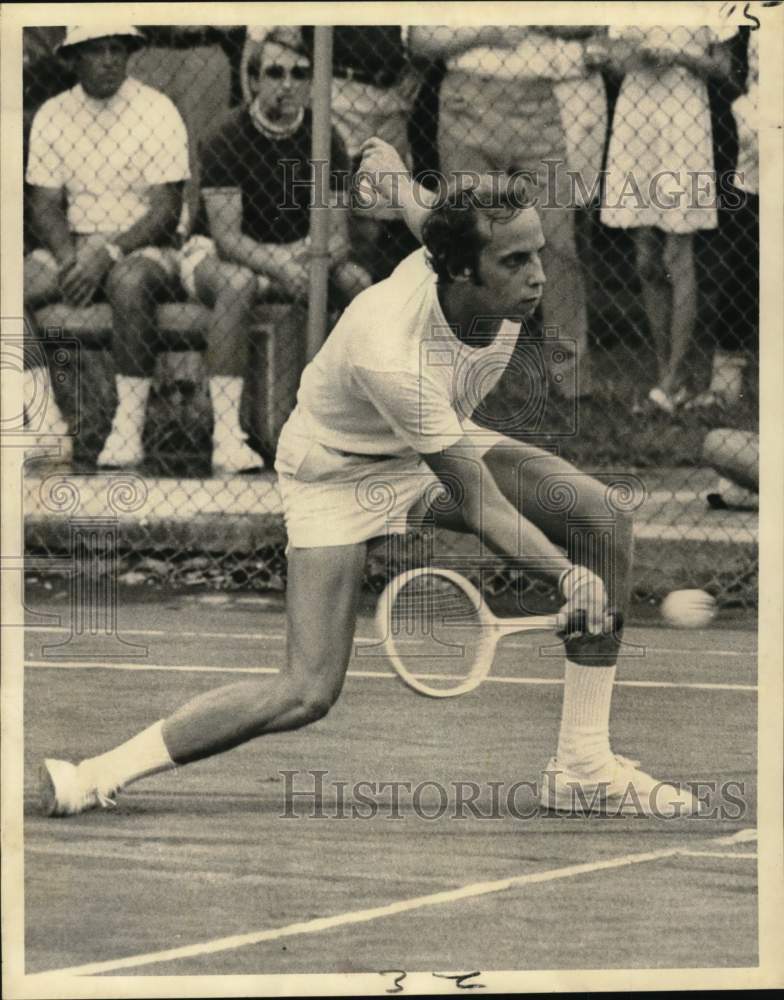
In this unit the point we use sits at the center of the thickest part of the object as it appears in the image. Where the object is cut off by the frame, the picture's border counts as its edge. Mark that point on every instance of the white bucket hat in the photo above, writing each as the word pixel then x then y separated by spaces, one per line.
pixel 77 36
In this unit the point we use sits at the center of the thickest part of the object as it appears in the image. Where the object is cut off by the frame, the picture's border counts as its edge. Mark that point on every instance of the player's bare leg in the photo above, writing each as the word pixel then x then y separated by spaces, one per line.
pixel 323 594
pixel 579 513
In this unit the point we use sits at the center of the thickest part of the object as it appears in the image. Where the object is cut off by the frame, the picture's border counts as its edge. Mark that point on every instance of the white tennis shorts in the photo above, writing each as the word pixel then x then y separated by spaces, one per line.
pixel 332 497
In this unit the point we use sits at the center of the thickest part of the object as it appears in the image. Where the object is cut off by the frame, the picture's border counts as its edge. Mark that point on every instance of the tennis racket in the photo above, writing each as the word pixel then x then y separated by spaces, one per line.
pixel 439 633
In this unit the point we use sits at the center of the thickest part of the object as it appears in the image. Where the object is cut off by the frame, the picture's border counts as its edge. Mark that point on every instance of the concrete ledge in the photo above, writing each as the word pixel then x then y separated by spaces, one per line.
pixel 242 514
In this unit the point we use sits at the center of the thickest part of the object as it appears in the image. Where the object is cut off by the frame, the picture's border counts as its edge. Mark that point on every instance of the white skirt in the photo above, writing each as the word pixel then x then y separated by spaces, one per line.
pixel 660 158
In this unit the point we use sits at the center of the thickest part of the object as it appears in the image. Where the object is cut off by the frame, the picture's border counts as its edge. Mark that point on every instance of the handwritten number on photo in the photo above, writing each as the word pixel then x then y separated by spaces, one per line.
pixel 399 977
pixel 461 980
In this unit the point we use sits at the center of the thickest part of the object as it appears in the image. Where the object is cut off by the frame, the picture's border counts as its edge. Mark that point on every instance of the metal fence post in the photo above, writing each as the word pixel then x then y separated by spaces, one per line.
pixel 319 213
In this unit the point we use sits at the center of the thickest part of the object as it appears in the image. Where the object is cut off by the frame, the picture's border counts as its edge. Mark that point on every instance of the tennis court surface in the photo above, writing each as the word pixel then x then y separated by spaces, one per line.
pixel 201 871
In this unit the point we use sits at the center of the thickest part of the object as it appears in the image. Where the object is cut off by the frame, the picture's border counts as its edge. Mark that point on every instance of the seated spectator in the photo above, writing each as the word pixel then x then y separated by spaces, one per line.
pixel 500 110
pixel 734 455
pixel 106 167
pixel 373 91
pixel 252 234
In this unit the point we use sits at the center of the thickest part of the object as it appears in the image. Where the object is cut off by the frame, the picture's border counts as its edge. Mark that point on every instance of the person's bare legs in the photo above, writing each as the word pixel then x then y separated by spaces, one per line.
pixel 593 522
pixel 230 290
pixel 656 293
pixel 134 288
pixel 680 270
pixel 323 594
pixel 321 607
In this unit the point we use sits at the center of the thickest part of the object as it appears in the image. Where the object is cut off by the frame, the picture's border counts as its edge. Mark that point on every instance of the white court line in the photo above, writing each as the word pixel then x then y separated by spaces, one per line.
pixel 202 669
pixel 175 873
pixel 719 854
pixel 155 633
pixel 320 924
pixel 160 633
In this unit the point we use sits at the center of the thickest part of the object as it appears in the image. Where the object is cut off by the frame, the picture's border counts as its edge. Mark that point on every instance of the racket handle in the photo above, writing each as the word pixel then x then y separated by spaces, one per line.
pixel 575 623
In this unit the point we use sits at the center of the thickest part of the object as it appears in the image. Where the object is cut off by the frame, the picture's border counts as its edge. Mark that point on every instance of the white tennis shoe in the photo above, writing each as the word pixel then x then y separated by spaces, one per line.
pixel 122 449
pixel 65 790
pixel 231 455
pixel 621 789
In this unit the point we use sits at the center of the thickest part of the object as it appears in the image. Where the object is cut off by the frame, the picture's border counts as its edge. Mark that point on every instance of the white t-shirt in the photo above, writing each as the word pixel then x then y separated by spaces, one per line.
pixel 392 378
pixel 107 154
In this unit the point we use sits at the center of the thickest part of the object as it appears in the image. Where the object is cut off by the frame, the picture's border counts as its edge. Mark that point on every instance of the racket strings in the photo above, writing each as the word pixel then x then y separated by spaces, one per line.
pixel 437 630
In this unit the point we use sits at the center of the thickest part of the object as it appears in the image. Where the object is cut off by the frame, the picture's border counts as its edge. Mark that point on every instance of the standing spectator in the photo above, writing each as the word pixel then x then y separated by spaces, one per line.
pixel 659 159
pixel 106 167
pixel 253 236
pixel 197 65
pixel 582 101
pixel 499 111
pixel 737 330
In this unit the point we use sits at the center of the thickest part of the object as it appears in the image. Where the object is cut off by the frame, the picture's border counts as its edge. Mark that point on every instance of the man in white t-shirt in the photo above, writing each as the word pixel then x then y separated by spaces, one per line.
pixel 106 167
pixel 383 415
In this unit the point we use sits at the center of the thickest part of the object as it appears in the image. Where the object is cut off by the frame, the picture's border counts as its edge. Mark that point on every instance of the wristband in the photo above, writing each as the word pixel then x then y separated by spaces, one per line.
pixel 584 575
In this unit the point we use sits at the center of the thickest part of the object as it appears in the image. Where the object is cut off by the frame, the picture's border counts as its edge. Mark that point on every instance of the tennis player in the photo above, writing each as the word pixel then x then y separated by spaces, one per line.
pixel 382 418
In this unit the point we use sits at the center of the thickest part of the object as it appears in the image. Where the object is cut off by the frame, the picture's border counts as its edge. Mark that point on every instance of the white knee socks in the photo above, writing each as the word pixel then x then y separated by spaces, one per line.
pixel 139 757
pixel 584 737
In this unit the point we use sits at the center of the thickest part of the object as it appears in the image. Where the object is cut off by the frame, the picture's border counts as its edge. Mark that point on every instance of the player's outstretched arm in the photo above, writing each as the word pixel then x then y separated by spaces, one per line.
pixel 486 512
pixel 382 181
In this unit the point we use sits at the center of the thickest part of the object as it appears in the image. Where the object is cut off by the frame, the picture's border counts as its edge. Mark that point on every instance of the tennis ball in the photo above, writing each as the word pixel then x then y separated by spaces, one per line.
pixel 688 609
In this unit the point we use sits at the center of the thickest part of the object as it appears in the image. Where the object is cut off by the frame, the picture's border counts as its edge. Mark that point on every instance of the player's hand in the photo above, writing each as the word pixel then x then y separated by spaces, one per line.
pixel 379 177
pixel 585 611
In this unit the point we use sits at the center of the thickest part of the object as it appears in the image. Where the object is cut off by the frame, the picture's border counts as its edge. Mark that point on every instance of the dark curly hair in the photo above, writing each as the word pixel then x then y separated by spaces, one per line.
pixel 462 219
pixel 287 38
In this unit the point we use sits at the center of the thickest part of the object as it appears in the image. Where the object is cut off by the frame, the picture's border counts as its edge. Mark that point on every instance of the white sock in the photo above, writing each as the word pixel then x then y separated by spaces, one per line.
pixel 132 393
pixel 142 755
pixel 226 396
pixel 584 737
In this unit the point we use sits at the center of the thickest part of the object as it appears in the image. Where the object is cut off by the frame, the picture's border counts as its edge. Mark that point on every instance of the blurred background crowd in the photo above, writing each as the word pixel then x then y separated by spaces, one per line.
pixel 170 166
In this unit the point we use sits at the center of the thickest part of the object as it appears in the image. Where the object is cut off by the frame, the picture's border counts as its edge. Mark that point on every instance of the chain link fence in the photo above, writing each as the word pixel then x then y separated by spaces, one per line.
pixel 168 255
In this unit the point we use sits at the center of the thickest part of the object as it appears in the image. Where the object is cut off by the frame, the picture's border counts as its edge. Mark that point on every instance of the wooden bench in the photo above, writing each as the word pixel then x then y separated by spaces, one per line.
pixel 179 418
